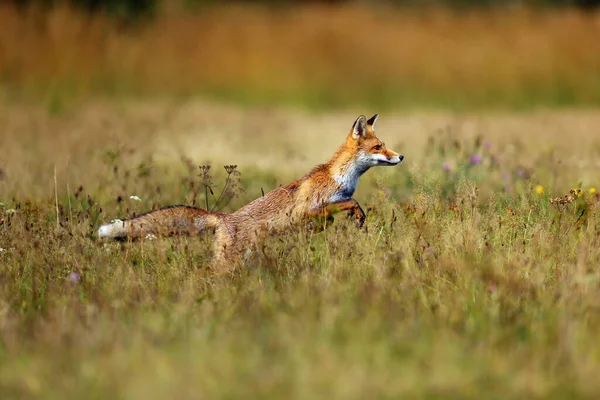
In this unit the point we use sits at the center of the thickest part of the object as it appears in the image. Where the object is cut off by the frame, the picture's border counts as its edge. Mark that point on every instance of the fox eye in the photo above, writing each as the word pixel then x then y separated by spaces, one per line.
pixel 377 147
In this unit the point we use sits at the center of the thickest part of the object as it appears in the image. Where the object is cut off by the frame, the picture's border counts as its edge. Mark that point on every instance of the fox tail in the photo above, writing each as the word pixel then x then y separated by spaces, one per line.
pixel 168 221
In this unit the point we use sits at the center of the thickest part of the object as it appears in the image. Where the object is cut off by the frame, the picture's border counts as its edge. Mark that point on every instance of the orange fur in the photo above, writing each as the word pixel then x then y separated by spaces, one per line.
pixel 325 190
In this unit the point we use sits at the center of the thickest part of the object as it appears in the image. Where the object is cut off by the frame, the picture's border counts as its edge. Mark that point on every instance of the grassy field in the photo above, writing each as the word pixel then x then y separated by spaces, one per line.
pixel 467 281
pixel 477 274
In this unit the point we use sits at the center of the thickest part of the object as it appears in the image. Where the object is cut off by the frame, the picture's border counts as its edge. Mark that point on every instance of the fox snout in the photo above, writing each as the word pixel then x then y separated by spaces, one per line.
pixel 392 158
pixel 395 158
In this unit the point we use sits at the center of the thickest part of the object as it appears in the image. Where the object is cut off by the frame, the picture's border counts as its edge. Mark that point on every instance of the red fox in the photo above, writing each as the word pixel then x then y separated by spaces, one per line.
pixel 325 190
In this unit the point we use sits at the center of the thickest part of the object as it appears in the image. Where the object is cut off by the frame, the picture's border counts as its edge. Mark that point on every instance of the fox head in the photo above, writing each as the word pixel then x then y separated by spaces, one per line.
pixel 369 150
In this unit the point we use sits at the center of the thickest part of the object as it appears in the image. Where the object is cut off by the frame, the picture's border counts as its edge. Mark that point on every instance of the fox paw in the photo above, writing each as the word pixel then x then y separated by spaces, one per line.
pixel 360 220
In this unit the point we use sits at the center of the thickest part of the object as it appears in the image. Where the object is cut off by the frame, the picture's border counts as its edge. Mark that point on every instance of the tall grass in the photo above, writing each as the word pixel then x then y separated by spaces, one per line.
pixel 466 282
pixel 309 54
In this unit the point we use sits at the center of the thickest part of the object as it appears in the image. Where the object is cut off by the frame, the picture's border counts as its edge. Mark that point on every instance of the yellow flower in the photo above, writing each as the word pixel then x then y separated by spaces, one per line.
pixel 539 189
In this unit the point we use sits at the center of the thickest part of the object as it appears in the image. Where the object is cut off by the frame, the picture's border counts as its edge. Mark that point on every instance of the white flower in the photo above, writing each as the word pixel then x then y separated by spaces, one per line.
pixel 2 250
pixel 11 211
pixel 114 221
pixel 135 198
pixel 150 237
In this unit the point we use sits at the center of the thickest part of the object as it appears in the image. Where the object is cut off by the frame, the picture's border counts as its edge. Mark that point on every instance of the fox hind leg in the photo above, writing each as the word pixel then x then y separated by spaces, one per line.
pixel 224 252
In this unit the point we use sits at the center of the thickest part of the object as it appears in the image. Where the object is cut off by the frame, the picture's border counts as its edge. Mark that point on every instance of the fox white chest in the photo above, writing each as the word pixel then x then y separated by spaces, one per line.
pixel 347 185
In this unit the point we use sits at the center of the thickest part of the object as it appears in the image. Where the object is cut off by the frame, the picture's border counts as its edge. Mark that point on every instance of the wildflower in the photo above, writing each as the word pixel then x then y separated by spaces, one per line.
pixel 11 211
pixel 520 172
pixel 592 190
pixel 150 237
pixel 135 198
pixel 74 277
pixel 114 221
pixel 476 159
pixel 539 189
pixel 2 250
pixel 446 167
pixel 487 144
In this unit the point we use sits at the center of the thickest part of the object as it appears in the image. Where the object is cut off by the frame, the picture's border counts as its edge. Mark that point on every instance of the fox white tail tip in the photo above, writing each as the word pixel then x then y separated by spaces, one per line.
pixel 113 230
pixel 104 231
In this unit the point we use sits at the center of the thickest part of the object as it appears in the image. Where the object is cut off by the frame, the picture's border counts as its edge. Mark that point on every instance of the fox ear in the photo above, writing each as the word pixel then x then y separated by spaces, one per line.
pixel 359 129
pixel 372 120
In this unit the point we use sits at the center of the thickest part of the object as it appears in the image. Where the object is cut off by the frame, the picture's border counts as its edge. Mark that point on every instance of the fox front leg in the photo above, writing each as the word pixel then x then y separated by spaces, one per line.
pixel 358 213
pixel 353 207
pixel 345 205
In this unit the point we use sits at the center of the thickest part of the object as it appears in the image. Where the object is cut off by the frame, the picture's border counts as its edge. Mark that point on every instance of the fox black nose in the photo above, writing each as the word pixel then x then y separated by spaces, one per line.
pixel 401 157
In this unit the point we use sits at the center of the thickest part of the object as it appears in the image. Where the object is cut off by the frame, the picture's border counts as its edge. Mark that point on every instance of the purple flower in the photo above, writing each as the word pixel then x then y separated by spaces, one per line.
pixel 74 277
pixel 446 167
pixel 520 172
pixel 476 159
pixel 506 176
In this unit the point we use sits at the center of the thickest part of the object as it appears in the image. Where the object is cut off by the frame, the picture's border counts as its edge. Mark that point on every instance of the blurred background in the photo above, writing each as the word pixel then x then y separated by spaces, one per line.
pixel 457 54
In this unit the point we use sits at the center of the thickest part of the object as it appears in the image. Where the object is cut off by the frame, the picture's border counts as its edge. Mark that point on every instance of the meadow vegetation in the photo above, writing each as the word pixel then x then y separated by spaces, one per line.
pixel 476 275
pixel 466 282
